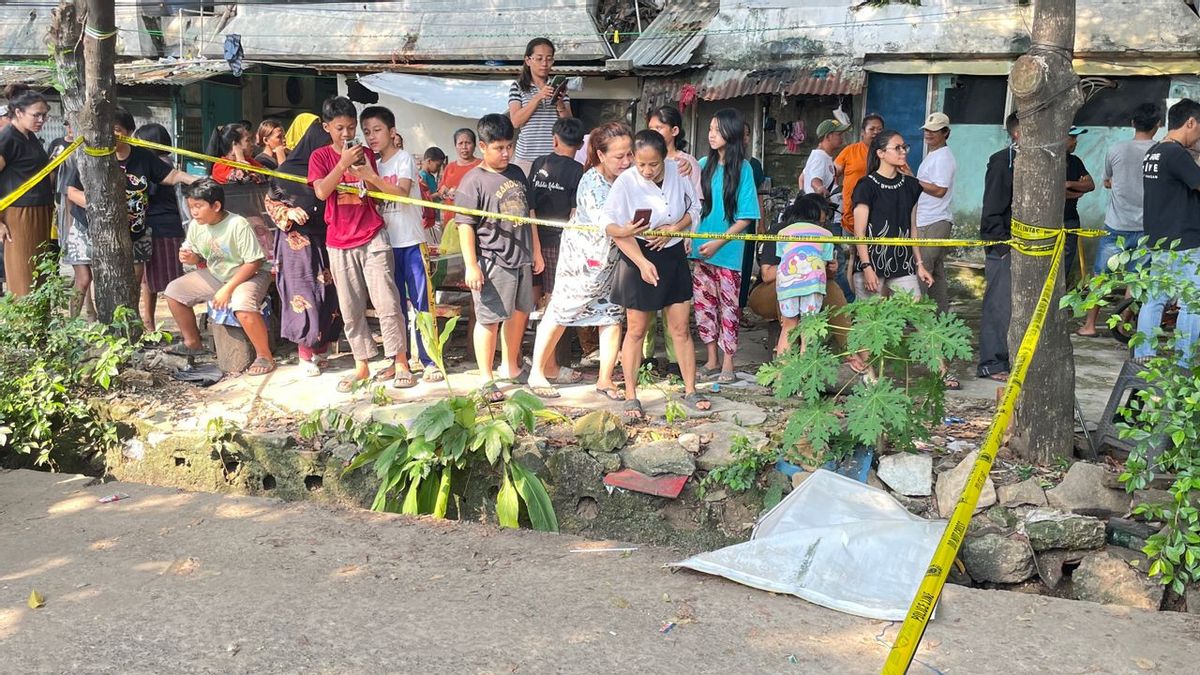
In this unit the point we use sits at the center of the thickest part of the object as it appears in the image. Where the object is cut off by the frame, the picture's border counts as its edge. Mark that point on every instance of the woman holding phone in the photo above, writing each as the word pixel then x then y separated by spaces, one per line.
pixel 534 104
pixel 652 273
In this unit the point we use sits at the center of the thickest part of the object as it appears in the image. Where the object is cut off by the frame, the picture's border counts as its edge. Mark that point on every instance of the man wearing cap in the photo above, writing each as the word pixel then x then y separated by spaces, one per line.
pixel 1078 184
pixel 934 217
pixel 819 170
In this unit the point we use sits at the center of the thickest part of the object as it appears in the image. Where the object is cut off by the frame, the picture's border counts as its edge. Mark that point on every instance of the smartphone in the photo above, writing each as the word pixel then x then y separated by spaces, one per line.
pixel 643 216
pixel 354 143
pixel 559 83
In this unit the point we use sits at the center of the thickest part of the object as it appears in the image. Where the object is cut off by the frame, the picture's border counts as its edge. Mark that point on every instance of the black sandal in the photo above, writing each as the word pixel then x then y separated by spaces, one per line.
pixel 694 399
pixel 633 410
pixel 491 393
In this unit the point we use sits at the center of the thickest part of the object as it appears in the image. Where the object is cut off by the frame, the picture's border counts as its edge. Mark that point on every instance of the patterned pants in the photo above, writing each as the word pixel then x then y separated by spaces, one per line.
pixel 715 294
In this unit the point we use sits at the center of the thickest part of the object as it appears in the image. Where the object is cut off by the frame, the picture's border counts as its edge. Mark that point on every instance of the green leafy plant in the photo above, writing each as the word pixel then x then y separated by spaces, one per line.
pixel 1162 420
pixel 436 348
pixel 905 341
pixel 740 474
pixel 51 363
pixel 673 411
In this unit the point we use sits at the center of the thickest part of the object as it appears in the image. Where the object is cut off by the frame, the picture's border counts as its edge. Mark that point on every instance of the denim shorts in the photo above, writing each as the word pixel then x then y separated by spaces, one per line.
pixel 1109 247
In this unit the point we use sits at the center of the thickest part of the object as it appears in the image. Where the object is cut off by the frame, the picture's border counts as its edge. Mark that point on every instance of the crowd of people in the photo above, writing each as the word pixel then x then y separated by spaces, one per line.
pixel 618 276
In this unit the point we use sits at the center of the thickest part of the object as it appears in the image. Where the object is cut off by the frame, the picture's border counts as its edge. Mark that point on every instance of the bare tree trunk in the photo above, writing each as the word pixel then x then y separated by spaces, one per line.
pixel 1047 96
pixel 88 82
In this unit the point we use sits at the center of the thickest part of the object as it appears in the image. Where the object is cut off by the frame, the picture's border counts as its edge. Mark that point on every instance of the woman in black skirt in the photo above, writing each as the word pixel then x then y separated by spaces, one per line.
pixel 652 273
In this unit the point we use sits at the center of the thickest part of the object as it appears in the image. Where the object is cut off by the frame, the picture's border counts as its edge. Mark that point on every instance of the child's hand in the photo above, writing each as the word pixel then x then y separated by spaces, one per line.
pixel 365 172
pixel 539 263
pixel 351 156
pixel 710 248
pixel 831 267
pixel 222 297
pixel 474 277
pixel 188 257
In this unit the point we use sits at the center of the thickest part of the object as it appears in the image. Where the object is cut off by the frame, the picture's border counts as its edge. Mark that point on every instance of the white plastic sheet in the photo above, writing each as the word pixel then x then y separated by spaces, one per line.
pixel 835 542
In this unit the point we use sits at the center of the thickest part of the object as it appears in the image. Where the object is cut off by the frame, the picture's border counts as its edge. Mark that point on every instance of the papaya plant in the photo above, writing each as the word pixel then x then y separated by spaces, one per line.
pixel 906 343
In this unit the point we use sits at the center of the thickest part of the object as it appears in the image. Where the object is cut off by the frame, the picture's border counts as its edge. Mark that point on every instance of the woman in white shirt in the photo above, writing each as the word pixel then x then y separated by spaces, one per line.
pixel 652 273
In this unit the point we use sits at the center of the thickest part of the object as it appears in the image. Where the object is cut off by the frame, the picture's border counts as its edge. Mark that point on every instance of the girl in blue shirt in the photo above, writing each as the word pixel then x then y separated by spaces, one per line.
pixel 730 204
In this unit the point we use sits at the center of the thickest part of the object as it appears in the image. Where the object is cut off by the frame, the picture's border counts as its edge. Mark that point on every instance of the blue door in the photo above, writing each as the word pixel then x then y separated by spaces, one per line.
pixel 901 99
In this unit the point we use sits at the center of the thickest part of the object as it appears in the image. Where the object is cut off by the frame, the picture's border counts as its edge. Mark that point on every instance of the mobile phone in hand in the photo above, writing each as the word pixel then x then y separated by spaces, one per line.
pixel 559 83
pixel 642 216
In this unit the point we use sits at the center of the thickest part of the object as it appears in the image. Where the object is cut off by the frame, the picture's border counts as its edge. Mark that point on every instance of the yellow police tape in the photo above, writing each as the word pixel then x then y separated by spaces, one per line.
pixel 905 646
pixel 40 175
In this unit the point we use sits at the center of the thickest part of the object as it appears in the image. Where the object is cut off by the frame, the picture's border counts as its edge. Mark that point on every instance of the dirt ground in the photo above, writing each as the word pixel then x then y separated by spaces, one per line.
pixel 168 581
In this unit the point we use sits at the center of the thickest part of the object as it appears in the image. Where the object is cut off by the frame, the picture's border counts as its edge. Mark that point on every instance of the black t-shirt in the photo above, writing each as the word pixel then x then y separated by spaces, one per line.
pixel 504 242
pixel 267 160
pixel 553 180
pixel 142 169
pixel 891 201
pixel 1075 171
pixel 162 215
pixel 24 156
pixel 1170 201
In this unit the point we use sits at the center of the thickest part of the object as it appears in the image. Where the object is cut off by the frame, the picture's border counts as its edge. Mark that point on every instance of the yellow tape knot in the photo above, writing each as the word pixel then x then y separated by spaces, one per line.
pixel 98 152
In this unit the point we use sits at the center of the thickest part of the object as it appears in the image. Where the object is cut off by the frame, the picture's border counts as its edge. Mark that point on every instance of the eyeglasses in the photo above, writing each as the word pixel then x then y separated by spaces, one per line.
pixel 901 148
pixel 542 59
pixel 43 116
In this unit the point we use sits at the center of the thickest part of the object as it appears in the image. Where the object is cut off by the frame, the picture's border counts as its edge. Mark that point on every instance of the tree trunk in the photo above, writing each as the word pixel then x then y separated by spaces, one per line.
pixel 1047 96
pixel 88 84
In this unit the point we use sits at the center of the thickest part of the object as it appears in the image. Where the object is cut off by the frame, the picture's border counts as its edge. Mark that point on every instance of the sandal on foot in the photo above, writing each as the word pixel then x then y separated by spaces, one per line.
pixel 998 377
pixel 404 380
pixel 432 374
pixel 633 410
pixel 347 384
pixel 951 382
pixel 727 378
pixel 695 399
pixel 611 393
pixel 388 373
pixel 545 392
pixel 708 373
pixel 260 367
pixel 310 368
pixel 180 349
pixel 491 393
pixel 567 376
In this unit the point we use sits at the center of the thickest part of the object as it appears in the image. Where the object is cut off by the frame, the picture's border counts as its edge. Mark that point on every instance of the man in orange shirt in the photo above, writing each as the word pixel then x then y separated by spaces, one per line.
pixel 851 165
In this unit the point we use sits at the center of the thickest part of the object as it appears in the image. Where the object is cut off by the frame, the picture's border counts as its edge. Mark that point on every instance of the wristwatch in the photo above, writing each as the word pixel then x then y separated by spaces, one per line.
pixel 863 265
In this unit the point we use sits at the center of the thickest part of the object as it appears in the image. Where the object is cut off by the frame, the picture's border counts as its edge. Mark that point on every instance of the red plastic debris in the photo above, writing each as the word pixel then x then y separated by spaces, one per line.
pixel 659 486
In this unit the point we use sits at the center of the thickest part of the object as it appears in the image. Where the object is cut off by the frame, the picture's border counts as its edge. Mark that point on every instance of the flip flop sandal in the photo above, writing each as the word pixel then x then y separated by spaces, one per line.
pixel 310 368
pixel 347 385
pixel 707 372
pixel 727 378
pixel 385 374
pixel 545 392
pixel 404 381
pixel 694 399
pixel 951 382
pixel 567 376
pixel 432 374
pixel 491 393
pixel 261 367
pixel 180 349
pixel 611 393
pixel 633 410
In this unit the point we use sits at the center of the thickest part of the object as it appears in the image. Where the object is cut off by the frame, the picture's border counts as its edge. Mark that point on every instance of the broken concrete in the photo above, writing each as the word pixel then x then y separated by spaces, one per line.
pixel 907 473
pixel 998 558
pixel 1051 564
pixel 719 449
pixel 1085 490
pixel 600 431
pixel 1116 576
pixel 659 457
pixel 950 487
pixel 1048 530
pixel 1026 493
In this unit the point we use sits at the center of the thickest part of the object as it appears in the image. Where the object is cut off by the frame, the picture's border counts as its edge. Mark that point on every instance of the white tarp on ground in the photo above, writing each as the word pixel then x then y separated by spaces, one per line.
pixel 471 99
pixel 835 542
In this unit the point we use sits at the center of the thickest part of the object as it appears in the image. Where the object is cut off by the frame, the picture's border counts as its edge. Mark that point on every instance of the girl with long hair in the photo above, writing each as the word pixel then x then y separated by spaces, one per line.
pixel 533 106
pixel 730 204
pixel 25 224
pixel 234 142
pixel 586 267
pixel 652 274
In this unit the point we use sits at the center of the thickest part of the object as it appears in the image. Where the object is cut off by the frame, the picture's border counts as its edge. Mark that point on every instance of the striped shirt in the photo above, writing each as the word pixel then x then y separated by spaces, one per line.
pixel 536 138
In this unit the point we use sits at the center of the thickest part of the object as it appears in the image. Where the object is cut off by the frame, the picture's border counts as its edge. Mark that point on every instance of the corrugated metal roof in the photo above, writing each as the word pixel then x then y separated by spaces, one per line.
pixel 673 36
pixel 413 32
pixel 176 73
pixel 447 68
pixel 718 85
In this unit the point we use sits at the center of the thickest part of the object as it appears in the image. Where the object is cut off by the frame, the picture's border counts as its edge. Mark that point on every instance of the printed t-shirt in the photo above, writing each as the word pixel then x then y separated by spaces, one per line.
pixel 553 180
pixel 1123 169
pixel 1170 198
pixel 801 265
pixel 746 208
pixel 226 245
pixel 504 242
pixel 403 221
pixel 853 160
pixel 24 156
pixel 938 168
pixel 891 201
pixel 351 218
pixel 162 215
pixel 143 169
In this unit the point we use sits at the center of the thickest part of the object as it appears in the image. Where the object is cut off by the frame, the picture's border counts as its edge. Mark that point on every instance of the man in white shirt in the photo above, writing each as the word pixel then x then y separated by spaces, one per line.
pixel 818 173
pixel 935 220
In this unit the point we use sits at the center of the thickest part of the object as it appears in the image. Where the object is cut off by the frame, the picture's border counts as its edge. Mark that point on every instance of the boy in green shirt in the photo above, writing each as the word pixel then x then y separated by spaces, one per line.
pixel 237 274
